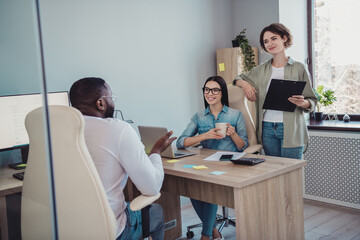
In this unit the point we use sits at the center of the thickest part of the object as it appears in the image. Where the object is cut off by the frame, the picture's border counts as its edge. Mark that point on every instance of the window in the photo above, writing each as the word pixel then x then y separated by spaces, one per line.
pixel 335 51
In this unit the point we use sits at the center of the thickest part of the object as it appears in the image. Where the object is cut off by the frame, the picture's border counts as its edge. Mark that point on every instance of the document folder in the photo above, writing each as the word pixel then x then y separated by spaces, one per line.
pixel 278 93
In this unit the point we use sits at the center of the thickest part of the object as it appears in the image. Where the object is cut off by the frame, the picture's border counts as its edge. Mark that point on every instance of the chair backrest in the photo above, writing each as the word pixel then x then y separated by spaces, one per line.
pixel 83 211
pixel 237 100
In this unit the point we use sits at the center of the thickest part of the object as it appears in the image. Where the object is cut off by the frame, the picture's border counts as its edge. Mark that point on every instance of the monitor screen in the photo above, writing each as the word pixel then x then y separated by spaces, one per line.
pixel 13 112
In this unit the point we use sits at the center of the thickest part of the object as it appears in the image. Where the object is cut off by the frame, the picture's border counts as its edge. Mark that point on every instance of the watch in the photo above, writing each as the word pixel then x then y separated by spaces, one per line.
pixel 234 82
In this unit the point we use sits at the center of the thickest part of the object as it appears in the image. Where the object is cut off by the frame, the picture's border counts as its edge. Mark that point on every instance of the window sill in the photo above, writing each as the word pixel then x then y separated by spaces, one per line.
pixel 353 126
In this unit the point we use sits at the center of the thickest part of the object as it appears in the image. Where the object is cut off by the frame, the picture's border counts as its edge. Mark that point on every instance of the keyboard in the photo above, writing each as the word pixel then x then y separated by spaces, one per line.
pixel 19 175
pixel 248 161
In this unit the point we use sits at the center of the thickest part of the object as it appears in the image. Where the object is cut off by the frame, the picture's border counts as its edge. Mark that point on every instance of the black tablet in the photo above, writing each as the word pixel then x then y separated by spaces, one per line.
pixel 278 93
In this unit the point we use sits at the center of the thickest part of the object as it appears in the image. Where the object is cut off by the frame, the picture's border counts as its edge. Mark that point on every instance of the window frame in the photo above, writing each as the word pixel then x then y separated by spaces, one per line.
pixel 310 52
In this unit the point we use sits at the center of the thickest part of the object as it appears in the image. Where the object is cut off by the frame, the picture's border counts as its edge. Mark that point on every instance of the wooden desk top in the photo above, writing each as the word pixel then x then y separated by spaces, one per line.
pixel 236 176
pixel 8 184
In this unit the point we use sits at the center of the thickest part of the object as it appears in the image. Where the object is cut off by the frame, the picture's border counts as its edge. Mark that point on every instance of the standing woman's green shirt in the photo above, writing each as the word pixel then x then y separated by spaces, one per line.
pixel 295 128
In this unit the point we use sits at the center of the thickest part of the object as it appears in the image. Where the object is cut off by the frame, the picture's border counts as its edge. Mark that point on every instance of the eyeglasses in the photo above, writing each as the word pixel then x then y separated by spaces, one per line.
pixel 113 97
pixel 214 91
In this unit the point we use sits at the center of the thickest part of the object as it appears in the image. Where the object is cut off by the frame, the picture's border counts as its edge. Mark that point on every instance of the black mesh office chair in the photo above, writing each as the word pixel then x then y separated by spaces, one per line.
pixel 224 220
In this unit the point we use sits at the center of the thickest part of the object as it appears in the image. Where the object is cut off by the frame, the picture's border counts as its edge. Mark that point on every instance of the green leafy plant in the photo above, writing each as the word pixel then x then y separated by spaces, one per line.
pixel 246 50
pixel 325 97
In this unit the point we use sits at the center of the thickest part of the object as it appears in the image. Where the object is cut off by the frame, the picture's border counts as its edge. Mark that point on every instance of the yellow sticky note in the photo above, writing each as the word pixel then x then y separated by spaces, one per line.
pixel 221 67
pixel 172 161
pixel 200 167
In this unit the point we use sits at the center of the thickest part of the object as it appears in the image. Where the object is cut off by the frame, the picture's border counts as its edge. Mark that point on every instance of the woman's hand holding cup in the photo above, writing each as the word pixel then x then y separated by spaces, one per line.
pixel 230 130
pixel 213 134
pixel 222 128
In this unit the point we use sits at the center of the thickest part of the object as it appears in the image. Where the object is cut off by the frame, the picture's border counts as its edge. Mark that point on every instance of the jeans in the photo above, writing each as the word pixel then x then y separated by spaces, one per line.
pixel 273 137
pixel 207 214
pixel 133 228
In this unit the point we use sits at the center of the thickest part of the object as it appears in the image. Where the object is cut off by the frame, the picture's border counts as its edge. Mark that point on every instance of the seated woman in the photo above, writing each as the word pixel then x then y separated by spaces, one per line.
pixel 202 130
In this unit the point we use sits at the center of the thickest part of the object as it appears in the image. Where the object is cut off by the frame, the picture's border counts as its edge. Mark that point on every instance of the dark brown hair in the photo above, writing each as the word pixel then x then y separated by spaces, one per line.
pixel 224 91
pixel 279 29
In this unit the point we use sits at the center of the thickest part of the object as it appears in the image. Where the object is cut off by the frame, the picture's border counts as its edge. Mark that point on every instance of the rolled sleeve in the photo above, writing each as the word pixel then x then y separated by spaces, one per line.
pixel 241 131
pixel 190 131
pixel 308 92
pixel 146 172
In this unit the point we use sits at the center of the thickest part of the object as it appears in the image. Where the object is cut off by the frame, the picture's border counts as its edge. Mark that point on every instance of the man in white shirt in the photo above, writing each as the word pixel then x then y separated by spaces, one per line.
pixel 118 154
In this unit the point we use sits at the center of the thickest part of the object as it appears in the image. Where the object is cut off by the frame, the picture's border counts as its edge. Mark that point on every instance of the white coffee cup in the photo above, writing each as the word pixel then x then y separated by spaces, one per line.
pixel 222 127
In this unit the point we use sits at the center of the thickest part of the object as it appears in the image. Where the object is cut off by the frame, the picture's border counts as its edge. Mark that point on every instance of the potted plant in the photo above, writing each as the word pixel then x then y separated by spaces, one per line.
pixel 325 98
pixel 246 50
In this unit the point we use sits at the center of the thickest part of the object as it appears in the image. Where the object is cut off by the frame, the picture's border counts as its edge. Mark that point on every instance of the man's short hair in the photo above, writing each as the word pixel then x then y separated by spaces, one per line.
pixel 87 91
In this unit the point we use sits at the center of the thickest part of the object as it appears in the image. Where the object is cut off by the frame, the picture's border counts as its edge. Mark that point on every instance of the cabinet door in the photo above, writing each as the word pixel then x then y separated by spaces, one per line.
pixel 229 62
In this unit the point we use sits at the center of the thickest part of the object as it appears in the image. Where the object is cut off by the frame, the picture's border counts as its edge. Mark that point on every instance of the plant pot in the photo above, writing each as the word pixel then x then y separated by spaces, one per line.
pixel 235 43
pixel 318 116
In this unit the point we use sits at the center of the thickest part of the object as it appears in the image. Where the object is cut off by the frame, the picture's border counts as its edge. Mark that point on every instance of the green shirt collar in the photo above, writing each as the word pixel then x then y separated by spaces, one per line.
pixel 290 61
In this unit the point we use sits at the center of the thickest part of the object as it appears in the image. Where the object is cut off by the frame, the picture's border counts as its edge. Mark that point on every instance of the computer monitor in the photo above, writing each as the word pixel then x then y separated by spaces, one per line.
pixel 14 109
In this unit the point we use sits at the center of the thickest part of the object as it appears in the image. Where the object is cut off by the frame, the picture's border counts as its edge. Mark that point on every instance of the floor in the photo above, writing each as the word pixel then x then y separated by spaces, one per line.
pixel 322 221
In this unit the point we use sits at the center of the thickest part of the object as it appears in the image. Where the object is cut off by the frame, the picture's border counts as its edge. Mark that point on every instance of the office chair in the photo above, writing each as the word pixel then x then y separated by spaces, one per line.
pixel 237 100
pixel 83 211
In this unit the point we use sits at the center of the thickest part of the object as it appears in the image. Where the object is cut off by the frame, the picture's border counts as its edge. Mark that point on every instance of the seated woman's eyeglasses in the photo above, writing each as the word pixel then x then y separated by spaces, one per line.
pixel 215 91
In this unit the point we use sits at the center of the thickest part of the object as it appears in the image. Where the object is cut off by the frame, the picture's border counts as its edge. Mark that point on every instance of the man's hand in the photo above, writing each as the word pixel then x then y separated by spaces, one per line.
pixel 163 143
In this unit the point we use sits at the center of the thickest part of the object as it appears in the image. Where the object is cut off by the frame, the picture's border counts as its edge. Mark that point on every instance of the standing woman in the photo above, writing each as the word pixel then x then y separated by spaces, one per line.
pixel 201 129
pixel 283 134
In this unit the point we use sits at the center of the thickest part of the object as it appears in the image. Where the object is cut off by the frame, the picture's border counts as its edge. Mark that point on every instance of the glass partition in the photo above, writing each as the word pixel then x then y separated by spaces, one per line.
pixel 22 90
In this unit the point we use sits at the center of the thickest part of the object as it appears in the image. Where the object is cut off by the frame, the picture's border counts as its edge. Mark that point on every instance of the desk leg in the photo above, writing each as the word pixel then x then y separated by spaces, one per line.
pixel 170 204
pixel 3 219
pixel 271 209
pixel 172 214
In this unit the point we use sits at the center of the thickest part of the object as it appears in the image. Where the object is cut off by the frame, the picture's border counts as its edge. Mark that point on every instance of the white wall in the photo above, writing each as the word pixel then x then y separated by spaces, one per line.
pixel 293 14
pixel 155 55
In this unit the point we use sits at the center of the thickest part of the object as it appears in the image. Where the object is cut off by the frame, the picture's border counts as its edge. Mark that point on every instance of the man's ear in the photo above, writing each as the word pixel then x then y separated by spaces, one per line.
pixel 101 104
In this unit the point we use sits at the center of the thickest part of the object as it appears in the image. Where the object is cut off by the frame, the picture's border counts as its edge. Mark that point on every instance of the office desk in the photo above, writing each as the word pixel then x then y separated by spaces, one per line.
pixel 267 198
pixel 8 186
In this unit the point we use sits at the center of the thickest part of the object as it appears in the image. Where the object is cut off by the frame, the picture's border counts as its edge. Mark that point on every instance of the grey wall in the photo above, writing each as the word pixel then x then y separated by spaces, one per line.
pixel 254 15
pixel 19 55
pixel 155 55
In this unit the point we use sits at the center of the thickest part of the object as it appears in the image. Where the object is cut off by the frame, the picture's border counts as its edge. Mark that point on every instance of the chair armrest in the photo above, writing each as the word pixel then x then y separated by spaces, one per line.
pixel 142 201
pixel 253 148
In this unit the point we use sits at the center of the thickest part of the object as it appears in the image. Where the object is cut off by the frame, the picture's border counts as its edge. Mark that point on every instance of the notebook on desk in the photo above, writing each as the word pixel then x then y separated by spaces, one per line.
pixel 149 136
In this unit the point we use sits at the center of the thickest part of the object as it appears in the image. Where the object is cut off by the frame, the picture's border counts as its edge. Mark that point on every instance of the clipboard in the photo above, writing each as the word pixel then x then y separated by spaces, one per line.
pixel 278 93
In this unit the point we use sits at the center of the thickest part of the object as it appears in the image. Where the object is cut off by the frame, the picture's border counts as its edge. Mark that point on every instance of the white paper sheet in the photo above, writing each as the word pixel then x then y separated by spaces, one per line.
pixel 216 156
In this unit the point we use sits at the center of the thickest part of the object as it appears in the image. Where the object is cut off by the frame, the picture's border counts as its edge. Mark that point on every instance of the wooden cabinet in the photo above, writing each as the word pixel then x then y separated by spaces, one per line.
pixel 229 62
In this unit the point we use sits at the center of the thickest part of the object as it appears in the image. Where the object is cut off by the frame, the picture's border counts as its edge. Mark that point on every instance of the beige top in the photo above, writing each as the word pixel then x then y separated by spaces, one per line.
pixel 295 128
